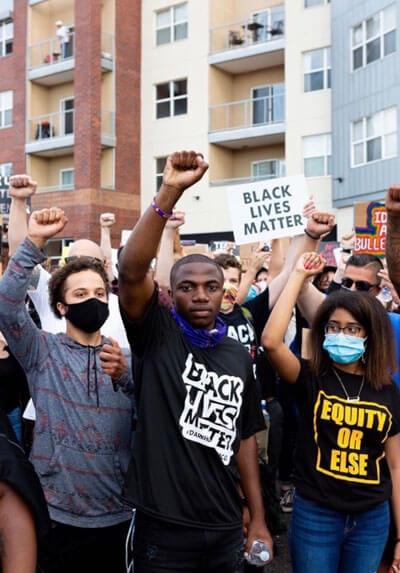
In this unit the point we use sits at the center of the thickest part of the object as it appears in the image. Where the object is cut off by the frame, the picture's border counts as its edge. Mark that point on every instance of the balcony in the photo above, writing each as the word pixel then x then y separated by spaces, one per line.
pixel 51 64
pixel 239 180
pixel 248 123
pixel 253 44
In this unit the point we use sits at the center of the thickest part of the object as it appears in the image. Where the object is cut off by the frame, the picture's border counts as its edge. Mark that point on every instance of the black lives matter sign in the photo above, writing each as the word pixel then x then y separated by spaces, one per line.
pixel 267 209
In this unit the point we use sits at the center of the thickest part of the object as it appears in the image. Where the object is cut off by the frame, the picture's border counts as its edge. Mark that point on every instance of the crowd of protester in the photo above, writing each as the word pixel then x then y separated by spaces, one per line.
pixel 164 413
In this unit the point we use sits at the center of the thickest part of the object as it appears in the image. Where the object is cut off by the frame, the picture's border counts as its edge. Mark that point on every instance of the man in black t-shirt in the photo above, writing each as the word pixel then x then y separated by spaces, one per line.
pixel 197 407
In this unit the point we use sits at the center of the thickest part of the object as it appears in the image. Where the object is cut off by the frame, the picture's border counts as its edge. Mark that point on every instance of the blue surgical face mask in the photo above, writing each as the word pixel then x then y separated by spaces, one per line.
pixel 344 349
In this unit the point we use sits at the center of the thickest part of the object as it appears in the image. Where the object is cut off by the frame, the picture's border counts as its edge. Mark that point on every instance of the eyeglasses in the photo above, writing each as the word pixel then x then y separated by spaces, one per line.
pixel 85 258
pixel 349 329
pixel 363 286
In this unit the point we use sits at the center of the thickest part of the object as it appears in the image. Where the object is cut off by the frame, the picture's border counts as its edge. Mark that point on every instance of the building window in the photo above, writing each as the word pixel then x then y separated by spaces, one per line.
pixel 67 178
pixel 6 37
pixel 160 165
pixel 55 249
pixel 317 69
pixel 268 169
pixel 317 155
pixel 310 3
pixel 375 38
pixel 171 98
pixel 172 24
pixel 374 137
pixel 6 108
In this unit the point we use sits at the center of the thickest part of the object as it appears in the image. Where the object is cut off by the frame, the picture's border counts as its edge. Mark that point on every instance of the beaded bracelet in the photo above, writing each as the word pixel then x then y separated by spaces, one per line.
pixel 159 211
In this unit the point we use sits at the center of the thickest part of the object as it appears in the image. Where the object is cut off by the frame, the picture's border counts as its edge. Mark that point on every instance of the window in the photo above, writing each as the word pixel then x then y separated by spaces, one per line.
pixel 375 38
pixel 268 169
pixel 317 69
pixel 6 108
pixel 268 104
pixel 171 24
pixel 55 248
pixel 67 116
pixel 310 3
pixel 317 155
pixel 6 37
pixel 171 98
pixel 374 137
pixel 67 178
pixel 160 164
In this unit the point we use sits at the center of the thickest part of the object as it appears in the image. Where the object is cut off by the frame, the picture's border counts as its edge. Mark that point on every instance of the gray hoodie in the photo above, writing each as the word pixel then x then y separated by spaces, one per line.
pixel 83 429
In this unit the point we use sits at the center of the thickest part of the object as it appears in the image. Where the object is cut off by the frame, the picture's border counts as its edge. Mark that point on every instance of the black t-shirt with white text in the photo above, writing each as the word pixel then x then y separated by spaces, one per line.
pixel 194 406
pixel 339 458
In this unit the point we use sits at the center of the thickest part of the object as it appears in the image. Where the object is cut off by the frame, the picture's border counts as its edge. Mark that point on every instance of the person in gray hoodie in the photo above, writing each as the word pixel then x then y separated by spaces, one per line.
pixel 83 430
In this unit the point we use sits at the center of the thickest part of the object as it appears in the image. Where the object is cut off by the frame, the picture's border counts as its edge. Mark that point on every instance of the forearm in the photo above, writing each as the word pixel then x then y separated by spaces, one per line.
pixel 165 259
pixel 106 248
pixel 245 283
pixel 143 242
pixel 279 249
pixel 18 225
pixel 309 300
pixel 249 473
pixel 125 381
pixel 393 250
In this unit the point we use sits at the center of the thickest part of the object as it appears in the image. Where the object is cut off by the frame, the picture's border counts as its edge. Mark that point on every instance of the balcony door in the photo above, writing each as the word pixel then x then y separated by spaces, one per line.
pixel 268 104
pixel 67 116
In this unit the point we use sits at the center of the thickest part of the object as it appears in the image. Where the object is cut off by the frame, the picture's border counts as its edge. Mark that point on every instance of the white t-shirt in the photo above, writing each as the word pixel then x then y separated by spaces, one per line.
pixel 63 34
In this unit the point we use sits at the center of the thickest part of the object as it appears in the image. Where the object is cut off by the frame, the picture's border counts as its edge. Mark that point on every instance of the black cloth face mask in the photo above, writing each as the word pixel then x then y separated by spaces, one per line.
pixel 89 315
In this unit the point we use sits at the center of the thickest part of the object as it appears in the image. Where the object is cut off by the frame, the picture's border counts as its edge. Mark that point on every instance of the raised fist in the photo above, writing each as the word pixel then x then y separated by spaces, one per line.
pixel 320 224
pixel 259 258
pixel 183 169
pixel 393 201
pixel 310 264
pixel 176 221
pixel 45 224
pixel 22 187
pixel 107 220
pixel 309 208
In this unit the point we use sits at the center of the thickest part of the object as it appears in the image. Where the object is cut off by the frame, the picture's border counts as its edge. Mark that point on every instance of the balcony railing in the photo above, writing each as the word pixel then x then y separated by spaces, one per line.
pixel 248 113
pixel 51 51
pixel 51 126
pixel 239 180
pixel 267 26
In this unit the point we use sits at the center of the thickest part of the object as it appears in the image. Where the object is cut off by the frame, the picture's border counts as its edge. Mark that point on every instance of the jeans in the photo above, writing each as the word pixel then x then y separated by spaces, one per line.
pixel 15 419
pixel 159 547
pixel 334 542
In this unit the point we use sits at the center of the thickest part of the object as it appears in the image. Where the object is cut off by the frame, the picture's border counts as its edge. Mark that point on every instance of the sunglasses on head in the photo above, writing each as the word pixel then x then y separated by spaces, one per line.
pixel 363 286
pixel 83 258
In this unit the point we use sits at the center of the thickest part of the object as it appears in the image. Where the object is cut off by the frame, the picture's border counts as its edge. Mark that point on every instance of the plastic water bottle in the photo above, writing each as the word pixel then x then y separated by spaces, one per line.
pixel 259 554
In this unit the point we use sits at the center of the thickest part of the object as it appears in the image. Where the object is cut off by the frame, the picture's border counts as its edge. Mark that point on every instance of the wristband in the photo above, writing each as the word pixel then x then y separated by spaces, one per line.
pixel 311 236
pixel 159 211
pixel 346 251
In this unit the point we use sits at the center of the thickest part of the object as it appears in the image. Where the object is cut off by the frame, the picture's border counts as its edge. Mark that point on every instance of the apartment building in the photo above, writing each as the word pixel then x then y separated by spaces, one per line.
pixel 70 107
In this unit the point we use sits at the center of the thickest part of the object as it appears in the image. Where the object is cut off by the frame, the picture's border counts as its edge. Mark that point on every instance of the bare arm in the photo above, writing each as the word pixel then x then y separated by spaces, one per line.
pixel 281 357
pixel 309 300
pixel 279 249
pixel 393 236
pixel 135 285
pixel 21 188
pixel 258 260
pixel 165 257
pixel 392 451
pixel 107 220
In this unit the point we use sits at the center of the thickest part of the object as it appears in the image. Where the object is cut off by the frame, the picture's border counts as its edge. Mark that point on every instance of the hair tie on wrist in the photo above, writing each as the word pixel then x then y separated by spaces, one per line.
pixel 310 235
pixel 159 211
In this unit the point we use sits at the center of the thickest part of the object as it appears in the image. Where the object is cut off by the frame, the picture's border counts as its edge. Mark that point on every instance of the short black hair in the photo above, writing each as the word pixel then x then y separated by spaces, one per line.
pixel 194 258
pixel 59 277
pixel 262 270
pixel 365 260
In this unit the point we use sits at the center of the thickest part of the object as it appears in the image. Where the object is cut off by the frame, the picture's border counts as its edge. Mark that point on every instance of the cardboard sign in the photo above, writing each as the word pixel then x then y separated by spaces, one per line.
pixel 267 209
pixel 327 250
pixel 370 226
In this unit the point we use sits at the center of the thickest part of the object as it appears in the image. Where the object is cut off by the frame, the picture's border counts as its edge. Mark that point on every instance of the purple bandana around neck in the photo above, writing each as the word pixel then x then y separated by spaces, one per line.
pixel 201 337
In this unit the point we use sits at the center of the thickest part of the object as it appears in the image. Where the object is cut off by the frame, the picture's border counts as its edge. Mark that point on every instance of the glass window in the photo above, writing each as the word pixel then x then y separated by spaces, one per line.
pixel 172 24
pixel 268 169
pixel 160 165
pixel 6 108
pixel 317 69
pixel 310 3
pixel 67 178
pixel 374 38
pixel 317 155
pixel 6 37
pixel 171 98
pixel 374 137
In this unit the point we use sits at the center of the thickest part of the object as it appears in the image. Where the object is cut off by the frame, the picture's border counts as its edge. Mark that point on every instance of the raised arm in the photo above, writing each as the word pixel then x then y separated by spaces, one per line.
pixel 286 364
pixel 165 256
pixel 182 170
pixel 393 236
pixel 21 188
pixel 258 260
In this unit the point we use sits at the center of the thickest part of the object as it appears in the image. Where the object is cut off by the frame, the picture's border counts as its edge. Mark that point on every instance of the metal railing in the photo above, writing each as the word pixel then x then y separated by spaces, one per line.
pixel 247 113
pixel 265 27
pixel 239 180
pixel 51 51
pixel 51 125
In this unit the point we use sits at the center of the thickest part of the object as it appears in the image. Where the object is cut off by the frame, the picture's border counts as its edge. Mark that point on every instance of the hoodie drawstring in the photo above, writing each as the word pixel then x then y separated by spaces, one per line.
pixel 96 384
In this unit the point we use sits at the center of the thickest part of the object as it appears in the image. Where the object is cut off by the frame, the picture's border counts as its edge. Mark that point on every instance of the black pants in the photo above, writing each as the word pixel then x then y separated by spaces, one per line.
pixel 160 547
pixel 84 550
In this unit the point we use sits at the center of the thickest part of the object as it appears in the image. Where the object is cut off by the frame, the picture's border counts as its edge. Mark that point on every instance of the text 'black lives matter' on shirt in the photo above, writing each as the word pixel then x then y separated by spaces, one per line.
pixel 194 407
pixel 340 459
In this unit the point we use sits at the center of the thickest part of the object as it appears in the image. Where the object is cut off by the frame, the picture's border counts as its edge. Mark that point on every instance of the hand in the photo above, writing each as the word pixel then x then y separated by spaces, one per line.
pixel 45 224
pixel 183 169
pixel 396 559
pixel 259 259
pixel 246 520
pixel 309 208
pixel 257 530
pixel 112 360
pixel 386 282
pixel 393 201
pixel 348 240
pixel 310 264
pixel 107 220
pixel 176 221
pixel 320 224
pixel 22 187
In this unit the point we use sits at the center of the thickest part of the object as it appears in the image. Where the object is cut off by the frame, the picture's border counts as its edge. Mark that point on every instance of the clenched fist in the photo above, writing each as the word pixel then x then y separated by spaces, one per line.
pixel 183 169
pixel 45 224
pixel 320 224
pixel 22 187
pixel 107 220
pixel 393 201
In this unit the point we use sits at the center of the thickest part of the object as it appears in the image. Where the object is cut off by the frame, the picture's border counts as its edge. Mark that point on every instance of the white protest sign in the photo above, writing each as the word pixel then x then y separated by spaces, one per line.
pixel 267 209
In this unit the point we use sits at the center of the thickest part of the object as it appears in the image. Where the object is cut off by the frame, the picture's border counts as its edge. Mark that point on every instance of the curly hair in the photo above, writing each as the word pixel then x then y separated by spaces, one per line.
pixel 60 276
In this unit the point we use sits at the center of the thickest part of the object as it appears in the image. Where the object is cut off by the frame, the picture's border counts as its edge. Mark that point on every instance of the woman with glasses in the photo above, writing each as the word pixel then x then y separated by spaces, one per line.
pixel 347 459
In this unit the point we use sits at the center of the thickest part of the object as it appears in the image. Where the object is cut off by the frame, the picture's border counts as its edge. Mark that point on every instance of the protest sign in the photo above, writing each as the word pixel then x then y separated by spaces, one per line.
pixel 267 209
pixel 327 250
pixel 370 226
pixel 5 199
